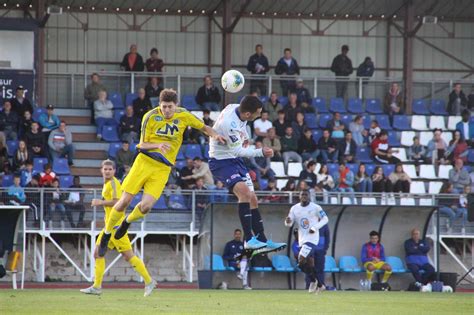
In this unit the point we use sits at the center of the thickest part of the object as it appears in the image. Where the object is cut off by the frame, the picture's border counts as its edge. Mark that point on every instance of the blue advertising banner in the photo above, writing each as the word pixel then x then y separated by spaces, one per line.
pixel 11 79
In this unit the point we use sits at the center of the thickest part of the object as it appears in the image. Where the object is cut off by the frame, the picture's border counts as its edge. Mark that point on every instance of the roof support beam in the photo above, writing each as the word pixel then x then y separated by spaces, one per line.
pixel 408 54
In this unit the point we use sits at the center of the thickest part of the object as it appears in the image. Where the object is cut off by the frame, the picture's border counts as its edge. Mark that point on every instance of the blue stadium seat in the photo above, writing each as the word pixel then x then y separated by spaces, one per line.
pixel 133 147
pixel 330 265
pixel 420 107
pixel 363 155
pixel 192 151
pixel 177 202
pixel 12 145
pixel 264 99
pixel 349 264
pixel 130 97
pixel 160 204
pixel 283 100
pixel 113 148
pixel 136 199
pixel 384 122
pixel 388 169
pixel 118 113
pixel 65 181
pixel 354 167
pixel 396 263
pixel 346 119
pixel 38 112
pixel 110 134
pixel 317 134
pixel 319 105
pixel 263 182
pixel 336 104
pixel 470 156
pixel 282 263
pixel 60 166
pixel 438 107
pixel 369 168
pixel 218 264
pixel 7 180
pixel 366 120
pixel 333 168
pixel 373 106
pixel 180 164
pixel 393 140
pixel 355 106
pixel 310 121
pixel 116 99
pixel 38 164
pixel 180 155
pixel 401 122
pixel 323 120
pixel 189 102
pixel 261 269
pixel 154 101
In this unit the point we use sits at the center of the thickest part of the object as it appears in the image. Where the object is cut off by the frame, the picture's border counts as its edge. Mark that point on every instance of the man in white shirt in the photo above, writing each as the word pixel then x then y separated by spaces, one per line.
pixel 309 218
pixel 262 125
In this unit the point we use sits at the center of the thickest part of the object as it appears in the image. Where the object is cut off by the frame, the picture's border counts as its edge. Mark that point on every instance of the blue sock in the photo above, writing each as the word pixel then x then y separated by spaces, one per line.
pixel 246 219
pixel 257 225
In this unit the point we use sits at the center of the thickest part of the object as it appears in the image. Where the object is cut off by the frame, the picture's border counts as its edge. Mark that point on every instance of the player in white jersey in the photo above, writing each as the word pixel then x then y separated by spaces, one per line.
pixel 227 166
pixel 309 218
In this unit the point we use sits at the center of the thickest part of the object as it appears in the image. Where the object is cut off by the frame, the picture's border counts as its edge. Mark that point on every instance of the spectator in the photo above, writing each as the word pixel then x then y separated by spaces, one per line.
pixel 60 143
pixel 123 158
pixel 336 126
pixel 292 108
pixel 129 128
pixel 208 95
pixel 132 61
pixel 272 187
pixel 206 117
pixel 154 63
pixel 91 92
pixel 344 180
pixel 234 249
pixel 272 107
pixel 16 193
pixel 365 71
pixel 75 202
pixel 347 149
pixel 261 164
pixel 393 103
pixel 381 151
pixel 48 121
pixel 380 183
pixel 141 105
pixel 262 125
pixel 372 257
pixel 457 101
pixel 26 174
pixel 104 114
pixel 302 186
pixel 359 133
pixel 463 206
pixel 35 141
pixel 416 251
pixel 9 121
pixel 201 198
pixel 187 171
pixel 466 127
pixel 400 180
pixel 302 94
pixel 307 175
pixel 307 146
pixel 290 185
pixel 47 176
pixel 192 135
pixel 287 65
pixel 342 67
pixel 4 162
pixel 325 181
pixel 21 156
pixel 363 183
pixel 289 147
pixel 20 103
pixel 327 148
pixel 55 203
pixel 458 148
pixel 298 125
pixel 271 141
pixel 374 130
pixel 221 193
pixel 437 149
pixel 459 177
pixel 35 179
pixel 25 123
pixel 153 88
pixel 201 171
pixel 280 124
pixel 258 64
pixel 470 99
pixel 173 179
pixel 417 152
pixel 451 207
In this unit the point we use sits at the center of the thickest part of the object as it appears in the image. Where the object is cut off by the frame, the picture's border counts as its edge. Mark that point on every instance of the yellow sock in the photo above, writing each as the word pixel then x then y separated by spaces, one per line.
pixel 386 275
pixel 99 272
pixel 140 268
pixel 112 220
pixel 135 215
pixel 370 274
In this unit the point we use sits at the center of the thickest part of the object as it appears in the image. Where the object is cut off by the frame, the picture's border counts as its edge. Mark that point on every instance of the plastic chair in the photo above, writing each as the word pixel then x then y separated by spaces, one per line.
pixel 189 102
pixel 349 264
pixel 417 187
pixel 330 264
pixel 353 167
pixel 283 100
pixel 393 139
pixel 401 122
pixel 282 263
pixel 388 169
pixel 452 121
pixel 130 97
pixel 368 201
pixel 118 114
pixel 317 134
pixel 333 168
pixel 12 146
pixel 281 183
pixel 420 107
pixel 263 183
pixel 160 204
pixel 336 104
pixel 323 120
pixel 373 106
pixel 180 155
pixel 437 122
pixel 113 148
pixel 401 154
pixel 7 180
pixel 278 168
pixel 294 169
pixel 116 99
pixel 180 164
pixel 410 170
pixel 438 107
pixel 61 167
pixel 65 181
pixel 418 123
pixel 366 121
pixel 384 122
pixel 354 106
pixel 346 119
pixel 406 138
pixel 311 121
pixel 192 151
pixel 218 263
pixel 396 263
pixel 177 202
pixel 110 134
pixel 363 155
pixel 434 187
pixel 443 171
pixel 38 164
pixel 425 137
pixel 370 168
pixel 38 112
pixel 470 156
pixel 319 104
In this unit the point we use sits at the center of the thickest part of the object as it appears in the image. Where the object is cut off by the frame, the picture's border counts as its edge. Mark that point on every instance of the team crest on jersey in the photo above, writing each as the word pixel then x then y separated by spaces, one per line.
pixel 167 130
pixel 304 223
pixel 158 118
pixel 233 124
pixel 176 121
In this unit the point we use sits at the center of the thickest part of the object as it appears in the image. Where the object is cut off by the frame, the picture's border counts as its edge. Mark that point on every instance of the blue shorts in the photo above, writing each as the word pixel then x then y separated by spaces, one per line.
pixel 310 251
pixel 230 172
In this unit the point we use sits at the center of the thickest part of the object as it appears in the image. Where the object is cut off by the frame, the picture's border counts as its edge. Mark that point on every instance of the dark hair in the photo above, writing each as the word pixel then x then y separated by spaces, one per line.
pixel 358 170
pixel 348 132
pixel 206 111
pixel 310 163
pixel 264 112
pixel 258 45
pixel 197 158
pixel 169 95
pixel 357 117
pixel 250 104
pixel 238 230
pixel 62 122
pixel 465 112
pixel 345 47
pixel 342 163
pixel 457 83
pixel 326 129
pixel 94 74
pixel 397 165
pixel 153 50
pixel 281 111
pixel 374 233
pixel 286 49
pixel 321 169
pixel 47 166
pixel 383 132
pixel 415 137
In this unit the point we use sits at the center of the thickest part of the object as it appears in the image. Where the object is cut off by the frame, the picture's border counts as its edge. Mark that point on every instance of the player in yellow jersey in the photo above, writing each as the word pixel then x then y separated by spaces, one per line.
pixel 111 192
pixel 160 140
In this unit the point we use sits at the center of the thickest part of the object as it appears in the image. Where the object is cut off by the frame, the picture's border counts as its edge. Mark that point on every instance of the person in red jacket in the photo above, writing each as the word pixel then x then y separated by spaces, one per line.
pixel 47 176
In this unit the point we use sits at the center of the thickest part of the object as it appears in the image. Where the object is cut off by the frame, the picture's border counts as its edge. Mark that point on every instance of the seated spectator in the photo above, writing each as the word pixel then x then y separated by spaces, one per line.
pixel 221 193
pixel 393 102
pixel 187 171
pixel 272 187
pixel 20 104
pixel 154 63
pixel 26 174
pixel 290 185
pixel 206 117
pixel 416 251
pixel 132 61
pixel 60 143
pixel 302 186
pixel 380 183
pixel 417 152
pixel 457 101
pixel 287 65
pixel 129 128
pixel 292 108
pixel 173 179
pixel 75 202
pixel 289 147
pixel 201 198
pixel 123 158
pixel 201 171
pixel 344 181
pixel 307 146
pixel 451 207
pixel 55 203
pixel 280 124
pixel 47 176
pixel 141 105
pixel 327 148
pixel 104 114
pixel 272 142
pixel 400 180
pixel 466 127
pixel 16 193
pixel 347 149
pixel 302 94
pixel 48 121
pixel 374 130
pixel 262 125
pixel 233 250
pixel 437 149
pixel 153 88
pixel 91 92
pixel 35 141
pixel 336 126
pixel 21 156
pixel 381 151
pixel 261 165
pixel 362 183
pixel 298 125
pixel 208 95
pixel 325 182
pixel 459 177
pixel 272 107
pixel 458 148
pixel 358 130
pixel 5 167
pixel 9 121
pixel 25 123
pixel 307 175
pixel 372 257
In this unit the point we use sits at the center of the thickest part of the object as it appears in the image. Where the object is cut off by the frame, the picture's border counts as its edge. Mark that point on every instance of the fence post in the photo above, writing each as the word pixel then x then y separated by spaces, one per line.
pixel 178 86
pixel 315 88
pixel 71 101
pixel 132 82
pixel 360 87
pixel 270 86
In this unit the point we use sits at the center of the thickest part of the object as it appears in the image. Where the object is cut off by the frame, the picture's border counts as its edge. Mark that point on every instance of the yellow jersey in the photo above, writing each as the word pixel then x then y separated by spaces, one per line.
pixel 110 191
pixel 157 129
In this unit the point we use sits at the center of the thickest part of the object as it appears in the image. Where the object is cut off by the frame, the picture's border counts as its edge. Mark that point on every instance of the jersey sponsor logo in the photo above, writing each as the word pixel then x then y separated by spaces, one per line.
pixel 167 130
pixel 322 213
pixel 304 223
pixel 233 138
pixel 158 118
pixel 233 124
pixel 234 176
pixel 176 121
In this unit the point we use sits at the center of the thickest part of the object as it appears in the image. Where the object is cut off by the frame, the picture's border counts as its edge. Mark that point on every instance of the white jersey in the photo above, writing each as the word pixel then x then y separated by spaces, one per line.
pixel 234 131
pixel 310 217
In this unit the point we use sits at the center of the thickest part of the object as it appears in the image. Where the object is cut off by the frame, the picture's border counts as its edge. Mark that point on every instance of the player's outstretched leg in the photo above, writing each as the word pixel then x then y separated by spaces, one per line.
pixel 138 213
pixel 258 230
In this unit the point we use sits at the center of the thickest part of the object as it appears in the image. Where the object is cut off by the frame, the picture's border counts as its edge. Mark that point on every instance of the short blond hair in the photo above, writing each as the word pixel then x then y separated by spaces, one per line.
pixel 107 162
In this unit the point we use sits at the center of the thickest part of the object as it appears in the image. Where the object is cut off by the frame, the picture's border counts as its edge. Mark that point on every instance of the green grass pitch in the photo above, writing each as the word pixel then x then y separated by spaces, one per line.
pixel 131 301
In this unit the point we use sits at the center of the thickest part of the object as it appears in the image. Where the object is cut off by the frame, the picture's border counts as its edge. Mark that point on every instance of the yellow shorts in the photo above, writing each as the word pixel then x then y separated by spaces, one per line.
pixel 377 265
pixel 148 174
pixel 121 245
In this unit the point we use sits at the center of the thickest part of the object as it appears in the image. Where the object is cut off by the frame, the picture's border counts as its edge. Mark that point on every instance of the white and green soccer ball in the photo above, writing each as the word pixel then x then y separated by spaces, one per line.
pixel 232 81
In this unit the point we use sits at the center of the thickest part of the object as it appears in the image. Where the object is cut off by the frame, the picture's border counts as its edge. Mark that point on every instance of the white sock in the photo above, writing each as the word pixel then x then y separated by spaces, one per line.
pixel 244 270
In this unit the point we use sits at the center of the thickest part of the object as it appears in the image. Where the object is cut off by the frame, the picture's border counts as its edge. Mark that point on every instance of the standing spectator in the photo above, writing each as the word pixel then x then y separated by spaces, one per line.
pixel 262 125
pixel 393 102
pixel 458 148
pixel 233 250
pixel 470 99
pixel 153 88
pixel 272 107
pixel 451 206
pixel 55 201
pixel 48 121
pixel 123 158
pixel 129 128
pixel 292 108
pixel 258 64
pixel 154 63
pixel 289 147
pixel 287 65
pixel 20 103
pixel 25 123
pixel 417 152
pixel 261 165
pixel 35 141
pixel 47 176
pixel 380 183
pixel 201 198
pixel 347 149
pixel 416 251
pixel 208 95
pixel 104 114
pixel 327 147
pixel 16 193
pixel 91 92
pixel 342 67
pixel 307 146
pixel 365 71
pixel 201 171
pixel 75 202
pixel 9 121
pixel 337 127
pixel 359 133
pixel 302 94
pixel 280 124
pixel 437 149
pixel 298 125
pixel 60 143
pixel 4 162
pixel 372 257
pixel 185 172
pixel 457 101
pixel 132 61
pixel 363 183
pixel 374 130
pixel 400 180
pixel 381 151
pixel 466 126
pixel 26 174
pixel 21 156
pixel 307 175
pixel 272 141
pixel 344 180
pixel 459 177
pixel 141 105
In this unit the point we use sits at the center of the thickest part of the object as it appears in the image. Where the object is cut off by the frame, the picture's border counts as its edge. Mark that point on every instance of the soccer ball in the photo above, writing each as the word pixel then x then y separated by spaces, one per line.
pixel 232 81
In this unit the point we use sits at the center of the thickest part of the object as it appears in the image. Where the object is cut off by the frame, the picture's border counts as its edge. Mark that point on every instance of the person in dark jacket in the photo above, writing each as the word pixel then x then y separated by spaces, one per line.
pixel 308 174
pixel 287 65
pixel 35 141
pixel 9 121
pixel 154 63
pixel 153 89
pixel 307 146
pixel 129 127
pixel 258 64
pixel 292 108
pixel 234 250
pixel 25 123
pixel 327 147
pixel 365 71
pixel 302 94
pixel 457 101
pixel 342 67
pixel 347 149
pixel 20 103
pixel 208 95
pixel 132 61
pixel 416 250
pixel 141 104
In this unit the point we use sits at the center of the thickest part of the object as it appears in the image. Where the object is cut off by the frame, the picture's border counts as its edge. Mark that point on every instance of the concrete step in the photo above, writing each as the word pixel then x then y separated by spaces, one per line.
pixel 84 137
pixel 91 154
pixel 82 128
pixel 85 171
pixel 63 112
pixel 92 181
pixel 76 120
pixel 87 163
pixel 92 145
